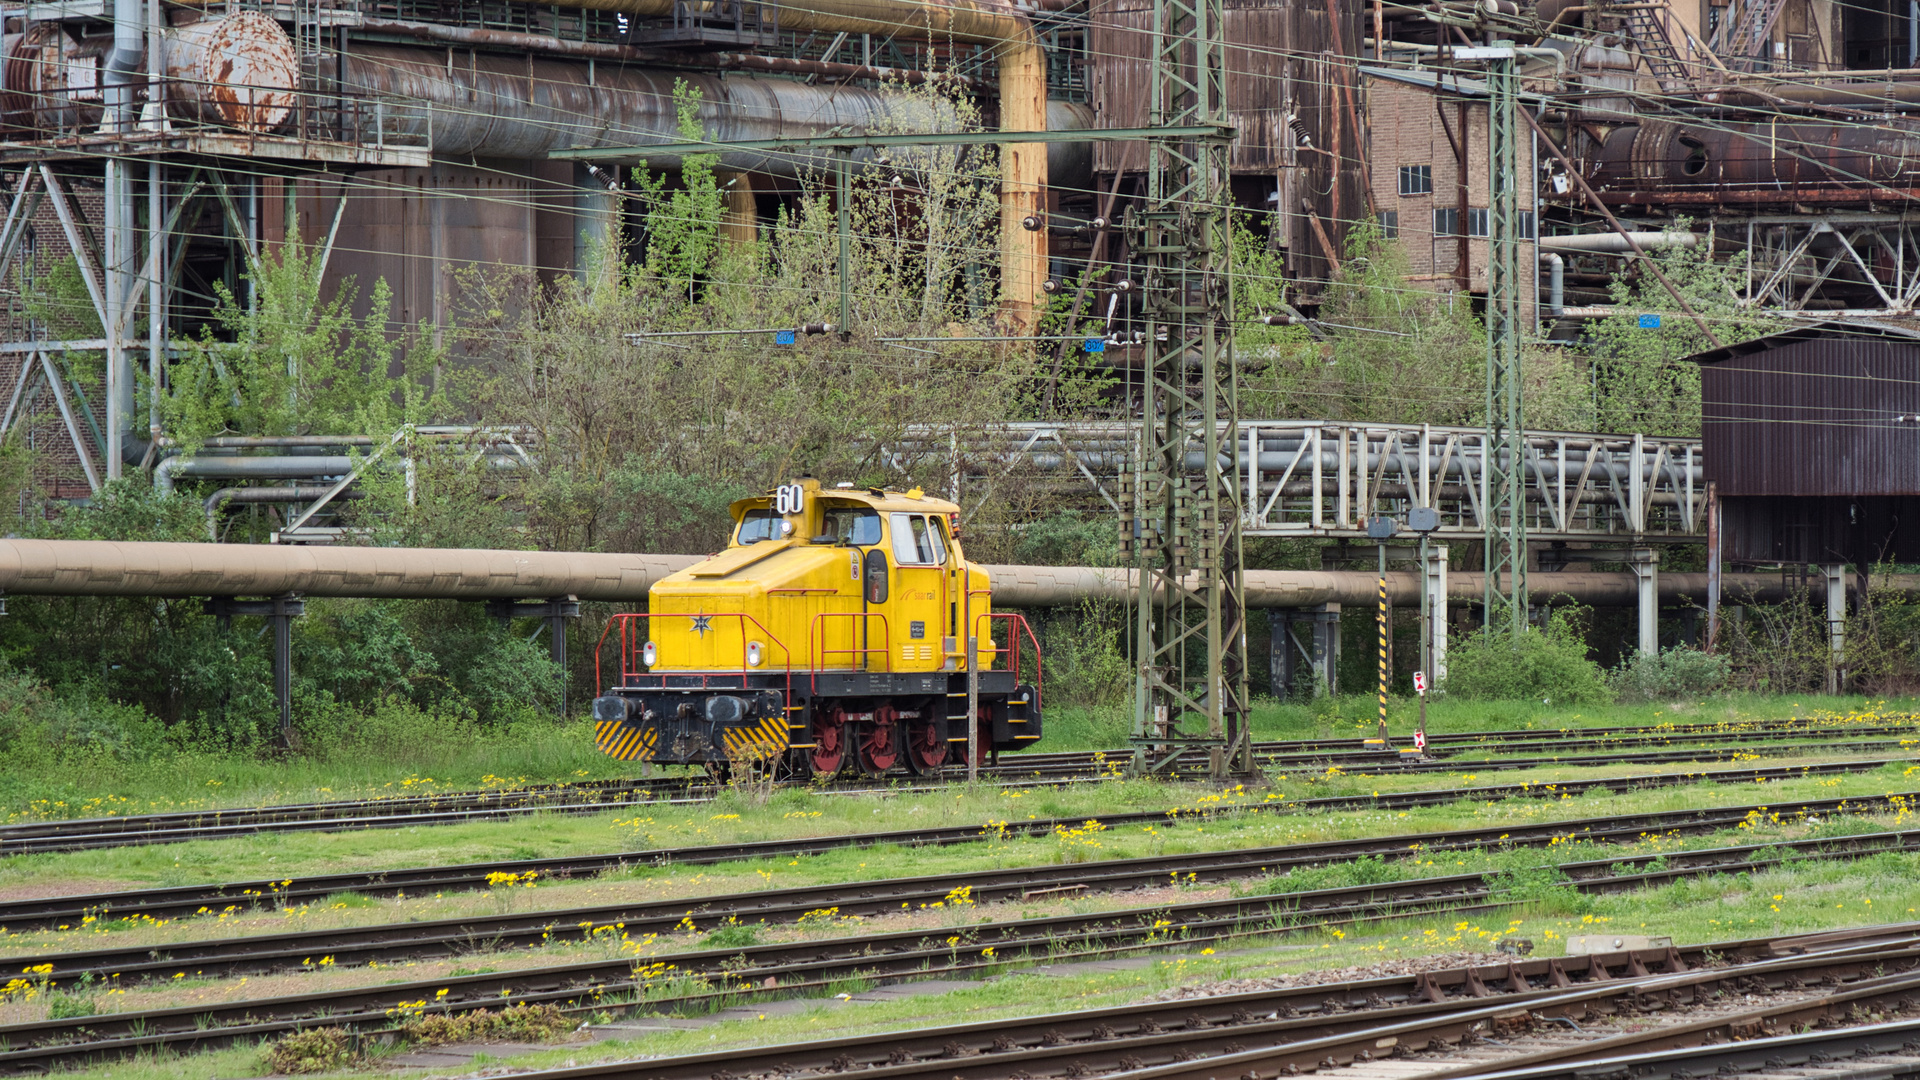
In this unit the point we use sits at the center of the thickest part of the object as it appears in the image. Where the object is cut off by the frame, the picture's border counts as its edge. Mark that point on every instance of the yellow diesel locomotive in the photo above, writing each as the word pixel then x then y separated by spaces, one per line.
pixel 830 635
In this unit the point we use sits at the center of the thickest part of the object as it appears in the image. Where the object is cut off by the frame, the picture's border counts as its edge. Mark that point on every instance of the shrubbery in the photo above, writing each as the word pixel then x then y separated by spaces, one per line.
pixel 1676 673
pixel 1541 665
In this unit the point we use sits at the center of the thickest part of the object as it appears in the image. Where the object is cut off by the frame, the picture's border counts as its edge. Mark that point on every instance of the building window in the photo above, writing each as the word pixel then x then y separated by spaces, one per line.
pixel 1477 221
pixel 1390 224
pixel 1526 225
pixel 1446 221
pixel 1416 179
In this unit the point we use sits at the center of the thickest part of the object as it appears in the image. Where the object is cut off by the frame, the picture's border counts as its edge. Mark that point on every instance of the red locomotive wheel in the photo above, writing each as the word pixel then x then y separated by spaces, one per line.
pixel 879 747
pixel 926 750
pixel 829 742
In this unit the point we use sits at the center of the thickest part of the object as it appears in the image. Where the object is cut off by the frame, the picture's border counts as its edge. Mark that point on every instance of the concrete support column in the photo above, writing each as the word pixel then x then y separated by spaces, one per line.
pixel 1836 574
pixel 1434 576
pixel 1645 563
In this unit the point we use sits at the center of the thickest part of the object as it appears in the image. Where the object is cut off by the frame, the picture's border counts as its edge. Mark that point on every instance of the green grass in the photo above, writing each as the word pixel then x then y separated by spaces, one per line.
pixel 421 759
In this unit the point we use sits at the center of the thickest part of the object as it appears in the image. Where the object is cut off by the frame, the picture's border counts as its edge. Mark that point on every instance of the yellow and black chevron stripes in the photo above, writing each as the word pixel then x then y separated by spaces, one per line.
pixel 763 740
pixel 616 740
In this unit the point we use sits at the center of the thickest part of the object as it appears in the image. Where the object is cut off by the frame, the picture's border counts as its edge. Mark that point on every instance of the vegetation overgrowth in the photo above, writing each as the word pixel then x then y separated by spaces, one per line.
pixel 1804 894
pixel 635 449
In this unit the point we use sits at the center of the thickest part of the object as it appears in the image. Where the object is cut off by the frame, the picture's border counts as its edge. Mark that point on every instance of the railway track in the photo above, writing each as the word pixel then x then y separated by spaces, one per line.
pixel 386 944
pixel 1412 1023
pixel 595 796
pixel 1032 768
pixel 789 967
pixel 168 903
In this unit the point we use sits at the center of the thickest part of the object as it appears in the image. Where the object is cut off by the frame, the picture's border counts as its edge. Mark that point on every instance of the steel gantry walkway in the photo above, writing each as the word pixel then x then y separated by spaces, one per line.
pixel 1324 479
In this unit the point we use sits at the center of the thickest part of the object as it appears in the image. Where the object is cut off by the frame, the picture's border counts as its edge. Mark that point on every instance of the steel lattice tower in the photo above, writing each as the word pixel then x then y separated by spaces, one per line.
pixel 1184 534
pixel 1506 555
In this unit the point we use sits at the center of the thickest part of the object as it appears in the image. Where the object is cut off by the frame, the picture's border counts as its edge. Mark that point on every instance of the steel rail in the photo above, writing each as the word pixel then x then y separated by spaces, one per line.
pixel 789 966
pixel 1117 1039
pixel 594 796
pixel 173 902
pixel 72 840
pixel 354 946
pixel 1774 1053
pixel 1896 991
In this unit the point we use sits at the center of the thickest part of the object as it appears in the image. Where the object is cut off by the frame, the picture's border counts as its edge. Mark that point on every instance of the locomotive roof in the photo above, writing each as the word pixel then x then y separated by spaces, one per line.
pixel 913 500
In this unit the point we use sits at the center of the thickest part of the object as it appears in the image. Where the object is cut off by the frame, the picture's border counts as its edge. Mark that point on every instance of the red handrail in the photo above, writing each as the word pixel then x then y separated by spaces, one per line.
pixel 886 636
pixel 626 621
pixel 1017 625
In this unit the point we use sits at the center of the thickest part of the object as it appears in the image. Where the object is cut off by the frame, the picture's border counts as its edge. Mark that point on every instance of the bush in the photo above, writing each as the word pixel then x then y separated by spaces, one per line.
pixel 318 1050
pixel 1542 665
pixel 1677 673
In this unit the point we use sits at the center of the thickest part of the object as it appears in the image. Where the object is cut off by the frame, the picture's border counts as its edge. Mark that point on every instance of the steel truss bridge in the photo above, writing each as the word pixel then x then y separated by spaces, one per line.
pixel 1323 479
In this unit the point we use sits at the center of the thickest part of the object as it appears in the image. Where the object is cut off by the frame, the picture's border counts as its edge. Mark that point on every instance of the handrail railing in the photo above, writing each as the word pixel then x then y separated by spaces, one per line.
pixel 626 622
pixel 1016 626
pixel 816 658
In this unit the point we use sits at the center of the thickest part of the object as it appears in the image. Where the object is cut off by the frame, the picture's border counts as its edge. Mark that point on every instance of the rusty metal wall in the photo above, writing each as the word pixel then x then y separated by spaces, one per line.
pixel 1296 57
pixel 1814 418
pixel 418 228
pixel 1800 529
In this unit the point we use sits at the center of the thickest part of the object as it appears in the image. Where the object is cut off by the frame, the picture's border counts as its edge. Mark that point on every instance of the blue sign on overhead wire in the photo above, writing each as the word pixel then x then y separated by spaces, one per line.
pixel 1649 322
pixel 1095 344
pixel 784 337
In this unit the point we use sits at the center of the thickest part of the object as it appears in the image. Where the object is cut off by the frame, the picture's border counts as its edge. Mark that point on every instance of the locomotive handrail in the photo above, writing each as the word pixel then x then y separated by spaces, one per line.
pixel 626 620
pixel 886 636
pixel 1017 625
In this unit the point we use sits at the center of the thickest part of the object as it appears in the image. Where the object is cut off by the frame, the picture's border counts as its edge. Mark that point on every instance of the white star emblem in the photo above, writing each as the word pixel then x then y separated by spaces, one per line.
pixel 700 626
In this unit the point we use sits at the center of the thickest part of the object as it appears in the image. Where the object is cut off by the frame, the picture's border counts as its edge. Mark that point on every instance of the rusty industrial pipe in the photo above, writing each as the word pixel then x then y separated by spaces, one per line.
pixel 1023 105
pixel 109 568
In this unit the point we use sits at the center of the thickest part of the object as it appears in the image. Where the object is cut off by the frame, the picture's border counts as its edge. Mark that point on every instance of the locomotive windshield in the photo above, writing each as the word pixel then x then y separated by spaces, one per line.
pixel 851 525
pixel 758 525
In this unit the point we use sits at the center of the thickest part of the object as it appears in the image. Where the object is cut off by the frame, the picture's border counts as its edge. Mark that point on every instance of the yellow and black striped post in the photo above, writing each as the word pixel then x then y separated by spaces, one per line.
pixel 1380 618
pixel 1381 529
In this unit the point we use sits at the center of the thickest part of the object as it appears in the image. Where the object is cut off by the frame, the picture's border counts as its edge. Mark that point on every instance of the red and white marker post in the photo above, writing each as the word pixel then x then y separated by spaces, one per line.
pixel 1420 733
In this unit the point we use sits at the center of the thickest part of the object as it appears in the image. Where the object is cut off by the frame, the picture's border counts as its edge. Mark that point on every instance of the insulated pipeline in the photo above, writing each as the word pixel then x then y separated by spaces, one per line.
pixel 107 568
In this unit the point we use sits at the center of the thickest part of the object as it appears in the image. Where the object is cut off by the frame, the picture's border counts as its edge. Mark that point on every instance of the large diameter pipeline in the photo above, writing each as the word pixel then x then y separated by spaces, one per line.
pixel 1659 155
pixel 1055 586
pixel 109 568
pixel 515 107
pixel 1022 69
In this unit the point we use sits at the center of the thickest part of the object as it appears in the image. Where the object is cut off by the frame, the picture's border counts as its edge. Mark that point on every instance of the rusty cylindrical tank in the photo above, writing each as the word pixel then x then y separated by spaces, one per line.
pixel 1660 154
pixel 236 71
pixel 50 83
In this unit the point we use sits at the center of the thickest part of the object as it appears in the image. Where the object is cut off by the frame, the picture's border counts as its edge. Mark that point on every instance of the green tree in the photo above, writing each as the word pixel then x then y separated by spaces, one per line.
pixel 1641 381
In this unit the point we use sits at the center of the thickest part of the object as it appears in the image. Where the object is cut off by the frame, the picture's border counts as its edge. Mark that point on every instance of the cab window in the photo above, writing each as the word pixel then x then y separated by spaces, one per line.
pixel 912 543
pixel 852 525
pixel 937 533
pixel 758 525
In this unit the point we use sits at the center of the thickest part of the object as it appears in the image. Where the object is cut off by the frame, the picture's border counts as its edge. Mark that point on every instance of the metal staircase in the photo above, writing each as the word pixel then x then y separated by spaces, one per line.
pixel 1746 32
pixel 1648 32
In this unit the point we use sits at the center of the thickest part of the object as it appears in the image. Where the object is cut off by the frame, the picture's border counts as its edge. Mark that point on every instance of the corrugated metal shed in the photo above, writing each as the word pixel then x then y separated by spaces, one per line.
pixel 1812 438
pixel 1828 409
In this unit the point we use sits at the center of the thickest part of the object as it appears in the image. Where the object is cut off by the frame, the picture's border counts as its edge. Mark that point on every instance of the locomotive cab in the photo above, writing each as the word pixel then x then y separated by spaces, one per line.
pixel 830 635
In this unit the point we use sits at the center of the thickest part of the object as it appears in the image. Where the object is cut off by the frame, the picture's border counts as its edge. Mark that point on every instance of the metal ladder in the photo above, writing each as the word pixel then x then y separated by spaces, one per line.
pixel 1649 36
pixel 1749 30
